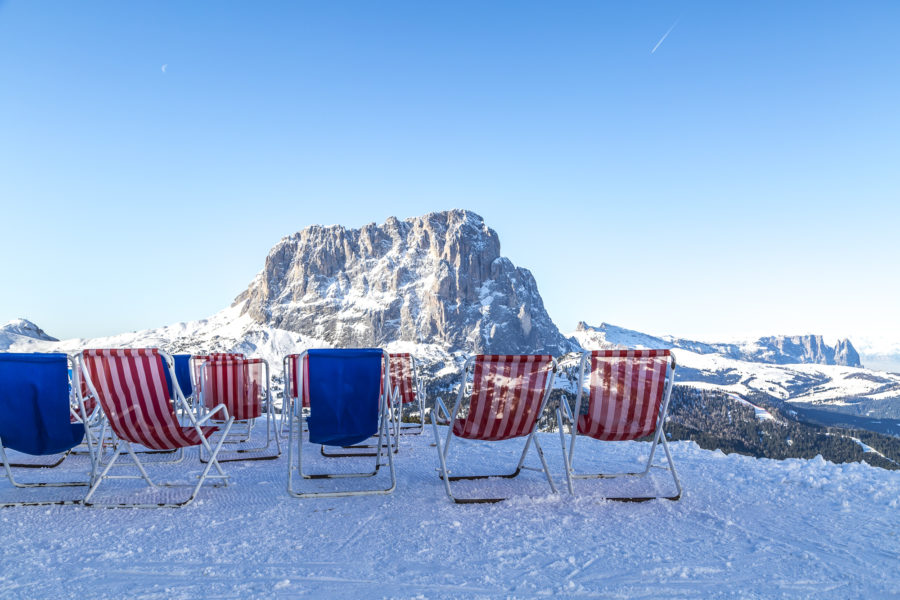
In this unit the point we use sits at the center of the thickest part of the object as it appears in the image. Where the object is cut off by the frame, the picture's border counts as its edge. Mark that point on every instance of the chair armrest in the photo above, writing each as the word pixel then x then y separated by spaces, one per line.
pixel 220 407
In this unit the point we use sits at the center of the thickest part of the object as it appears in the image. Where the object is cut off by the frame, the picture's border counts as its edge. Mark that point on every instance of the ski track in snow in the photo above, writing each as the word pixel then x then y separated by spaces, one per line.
pixel 748 528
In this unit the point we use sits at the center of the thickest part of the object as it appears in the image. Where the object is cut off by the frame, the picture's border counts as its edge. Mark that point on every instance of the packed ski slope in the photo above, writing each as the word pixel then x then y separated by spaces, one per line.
pixel 745 528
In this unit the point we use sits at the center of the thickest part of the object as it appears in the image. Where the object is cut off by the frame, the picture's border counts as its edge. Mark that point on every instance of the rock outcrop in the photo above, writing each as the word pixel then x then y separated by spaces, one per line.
pixel 436 279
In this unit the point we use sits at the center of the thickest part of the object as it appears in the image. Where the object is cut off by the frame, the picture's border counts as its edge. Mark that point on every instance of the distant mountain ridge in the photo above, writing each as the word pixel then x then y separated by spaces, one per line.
pixel 784 368
pixel 778 350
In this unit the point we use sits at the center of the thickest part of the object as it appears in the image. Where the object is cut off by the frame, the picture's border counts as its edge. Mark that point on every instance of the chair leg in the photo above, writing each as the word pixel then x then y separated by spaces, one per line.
pixel 383 447
pixel 658 439
pixel 447 478
pixel 271 433
pixel 562 443
pixel 540 452
pixel 102 475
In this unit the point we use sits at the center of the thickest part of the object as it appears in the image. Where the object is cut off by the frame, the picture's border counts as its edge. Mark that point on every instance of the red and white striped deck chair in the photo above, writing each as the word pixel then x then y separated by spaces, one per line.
pixel 508 395
pixel 628 399
pixel 242 386
pixel 196 367
pixel 130 385
pixel 296 368
pixel 407 390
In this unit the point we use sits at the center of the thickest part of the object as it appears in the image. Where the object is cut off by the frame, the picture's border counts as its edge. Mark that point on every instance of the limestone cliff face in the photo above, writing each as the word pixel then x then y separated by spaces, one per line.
pixel 812 349
pixel 436 279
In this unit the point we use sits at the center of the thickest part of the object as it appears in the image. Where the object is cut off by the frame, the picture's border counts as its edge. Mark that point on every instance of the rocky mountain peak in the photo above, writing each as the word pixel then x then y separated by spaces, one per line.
pixel 812 349
pixel 438 278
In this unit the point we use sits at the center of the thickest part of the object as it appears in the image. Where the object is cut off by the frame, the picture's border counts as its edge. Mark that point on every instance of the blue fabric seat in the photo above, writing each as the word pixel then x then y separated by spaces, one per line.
pixel 34 404
pixel 344 389
pixel 182 375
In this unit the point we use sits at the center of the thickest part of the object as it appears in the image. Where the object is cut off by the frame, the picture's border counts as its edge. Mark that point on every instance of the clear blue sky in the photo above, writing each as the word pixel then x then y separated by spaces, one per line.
pixel 742 179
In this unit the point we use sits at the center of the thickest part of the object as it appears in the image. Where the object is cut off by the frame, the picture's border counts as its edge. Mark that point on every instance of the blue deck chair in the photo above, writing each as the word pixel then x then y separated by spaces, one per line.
pixel 347 405
pixel 35 414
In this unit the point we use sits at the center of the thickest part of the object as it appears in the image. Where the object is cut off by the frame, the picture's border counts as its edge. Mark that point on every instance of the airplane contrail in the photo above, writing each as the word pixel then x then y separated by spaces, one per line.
pixel 665 35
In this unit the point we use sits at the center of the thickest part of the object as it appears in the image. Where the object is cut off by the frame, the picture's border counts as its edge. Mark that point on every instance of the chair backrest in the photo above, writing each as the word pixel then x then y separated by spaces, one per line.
pixel 345 391
pixel 298 366
pixel 196 362
pixel 35 415
pixel 403 376
pixel 627 388
pixel 508 395
pixel 239 384
pixel 131 387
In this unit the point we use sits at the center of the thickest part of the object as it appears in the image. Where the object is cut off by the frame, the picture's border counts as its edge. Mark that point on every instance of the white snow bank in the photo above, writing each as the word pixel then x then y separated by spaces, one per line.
pixel 745 528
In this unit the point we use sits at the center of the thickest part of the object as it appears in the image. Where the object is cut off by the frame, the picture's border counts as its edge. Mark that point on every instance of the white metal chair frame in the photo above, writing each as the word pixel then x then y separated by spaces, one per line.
pixel 414 428
pixel 659 438
pixel 271 427
pixel 288 400
pixel 122 443
pixel 74 399
pixel 451 417
pixel 298 422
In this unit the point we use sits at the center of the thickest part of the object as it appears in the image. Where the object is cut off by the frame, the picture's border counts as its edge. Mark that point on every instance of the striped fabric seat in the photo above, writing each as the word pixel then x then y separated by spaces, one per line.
pixel 198 360
pixel 294 383
pixel 403 376
pixel 131 387
pixel 224 355
pixel 236 383
pixel 507 395
pixel 626 390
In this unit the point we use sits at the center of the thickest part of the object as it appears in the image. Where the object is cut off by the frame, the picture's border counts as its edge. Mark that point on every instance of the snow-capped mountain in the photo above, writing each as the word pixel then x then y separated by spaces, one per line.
pixel 18 331
pixel 782 367
pixel 436 279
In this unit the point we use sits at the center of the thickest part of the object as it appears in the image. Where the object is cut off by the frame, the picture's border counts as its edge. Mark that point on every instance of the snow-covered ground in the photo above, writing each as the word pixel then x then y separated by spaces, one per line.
pixel 748 528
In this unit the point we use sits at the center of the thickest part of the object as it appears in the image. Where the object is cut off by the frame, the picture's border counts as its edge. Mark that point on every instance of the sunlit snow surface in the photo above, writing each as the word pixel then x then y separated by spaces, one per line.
pixel 746 527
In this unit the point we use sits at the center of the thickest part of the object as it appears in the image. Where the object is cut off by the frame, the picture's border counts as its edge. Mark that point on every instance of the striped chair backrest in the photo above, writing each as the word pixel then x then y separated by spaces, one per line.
pixel 294 379
pixel 507 396
pixel 403 376
pixel 626 390
pixel 131 387
pixel 198 360
pixel 236 383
